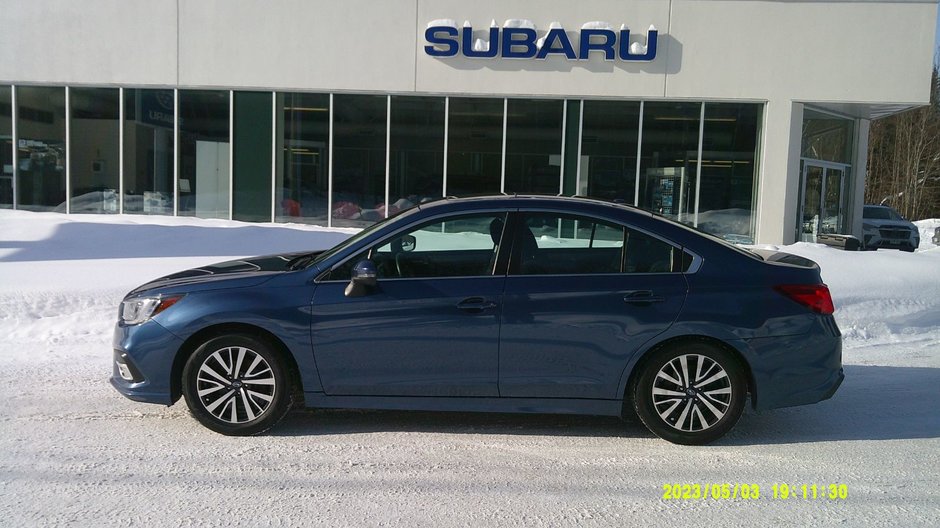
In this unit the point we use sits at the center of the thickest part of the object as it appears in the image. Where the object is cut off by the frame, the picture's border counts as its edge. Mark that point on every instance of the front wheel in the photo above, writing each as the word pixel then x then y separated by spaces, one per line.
pixel 236 385
pixel 690 394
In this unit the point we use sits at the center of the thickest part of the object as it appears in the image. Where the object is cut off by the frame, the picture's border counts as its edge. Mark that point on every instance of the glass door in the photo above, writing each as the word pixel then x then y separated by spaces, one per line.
pixel 812 203
pixel 821 209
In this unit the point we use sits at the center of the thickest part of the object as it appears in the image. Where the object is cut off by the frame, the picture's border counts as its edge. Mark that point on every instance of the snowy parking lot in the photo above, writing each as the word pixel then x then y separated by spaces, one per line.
pixel 73 452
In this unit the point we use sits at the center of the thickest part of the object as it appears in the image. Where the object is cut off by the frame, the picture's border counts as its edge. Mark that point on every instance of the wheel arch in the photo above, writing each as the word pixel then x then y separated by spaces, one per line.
pixel 192 343
pixel 640 362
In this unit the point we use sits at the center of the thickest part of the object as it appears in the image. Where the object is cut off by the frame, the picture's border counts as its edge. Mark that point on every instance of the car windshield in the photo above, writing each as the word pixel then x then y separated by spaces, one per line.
pixel 880 213
pixel 357 237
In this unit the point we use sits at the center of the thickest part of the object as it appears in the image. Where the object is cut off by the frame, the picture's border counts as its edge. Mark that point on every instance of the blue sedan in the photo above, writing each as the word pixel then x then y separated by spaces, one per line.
pixel 503 304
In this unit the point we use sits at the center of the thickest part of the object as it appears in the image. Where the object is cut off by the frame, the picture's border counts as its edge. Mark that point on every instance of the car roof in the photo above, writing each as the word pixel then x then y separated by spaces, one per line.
pixel 528 200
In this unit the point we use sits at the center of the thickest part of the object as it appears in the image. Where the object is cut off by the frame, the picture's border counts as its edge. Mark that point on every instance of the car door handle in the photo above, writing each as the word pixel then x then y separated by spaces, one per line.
pixel 641 297
pixel 475 304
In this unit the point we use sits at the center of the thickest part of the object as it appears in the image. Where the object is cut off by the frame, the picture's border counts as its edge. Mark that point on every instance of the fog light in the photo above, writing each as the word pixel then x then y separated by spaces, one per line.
pixel 124 371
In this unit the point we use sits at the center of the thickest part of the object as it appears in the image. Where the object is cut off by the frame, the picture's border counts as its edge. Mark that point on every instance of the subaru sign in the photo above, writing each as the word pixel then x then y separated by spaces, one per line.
pixel 518 39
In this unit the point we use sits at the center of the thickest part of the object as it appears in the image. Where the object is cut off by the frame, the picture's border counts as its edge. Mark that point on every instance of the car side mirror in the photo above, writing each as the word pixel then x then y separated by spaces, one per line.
pixel 362 279
pixel 408 243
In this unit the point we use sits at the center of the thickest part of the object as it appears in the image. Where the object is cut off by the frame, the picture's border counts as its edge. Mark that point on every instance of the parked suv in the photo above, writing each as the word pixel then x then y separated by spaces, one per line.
pixel 883 227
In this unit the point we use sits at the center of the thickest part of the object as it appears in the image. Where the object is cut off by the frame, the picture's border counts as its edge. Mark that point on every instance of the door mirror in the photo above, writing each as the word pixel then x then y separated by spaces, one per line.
pixel 362 279
pixel 408 243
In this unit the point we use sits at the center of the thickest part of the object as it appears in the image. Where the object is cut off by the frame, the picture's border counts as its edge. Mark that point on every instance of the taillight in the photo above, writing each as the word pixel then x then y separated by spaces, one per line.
pixel 813 296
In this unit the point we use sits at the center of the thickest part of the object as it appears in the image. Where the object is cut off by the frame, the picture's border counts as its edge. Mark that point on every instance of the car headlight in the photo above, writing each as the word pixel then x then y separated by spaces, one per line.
pixel 141 309
pixel 869 227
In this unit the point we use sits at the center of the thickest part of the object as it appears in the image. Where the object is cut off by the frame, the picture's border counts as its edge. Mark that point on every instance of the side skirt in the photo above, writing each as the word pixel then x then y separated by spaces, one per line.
pixel 497 405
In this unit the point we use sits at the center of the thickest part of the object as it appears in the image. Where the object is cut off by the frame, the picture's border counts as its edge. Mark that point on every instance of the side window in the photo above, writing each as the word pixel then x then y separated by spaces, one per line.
pixel 559 244
pixel 647 254
pixel 462 246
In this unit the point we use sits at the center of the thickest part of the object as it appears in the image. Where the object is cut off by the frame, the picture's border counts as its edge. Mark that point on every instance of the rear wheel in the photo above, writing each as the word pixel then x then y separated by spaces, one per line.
pixel 691 393
pixel 236 385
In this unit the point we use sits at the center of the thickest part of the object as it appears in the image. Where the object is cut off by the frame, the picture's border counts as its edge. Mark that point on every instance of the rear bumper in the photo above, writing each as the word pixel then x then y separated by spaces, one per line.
pixel 797 370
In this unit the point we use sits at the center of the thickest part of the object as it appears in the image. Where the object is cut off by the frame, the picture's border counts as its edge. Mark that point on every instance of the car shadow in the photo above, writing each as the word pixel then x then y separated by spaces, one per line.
pixel 89 240
pixel 350 421
pixel 873 403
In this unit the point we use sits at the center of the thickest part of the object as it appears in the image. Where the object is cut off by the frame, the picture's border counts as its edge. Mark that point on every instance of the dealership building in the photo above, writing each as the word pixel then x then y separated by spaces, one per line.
pixel 748 119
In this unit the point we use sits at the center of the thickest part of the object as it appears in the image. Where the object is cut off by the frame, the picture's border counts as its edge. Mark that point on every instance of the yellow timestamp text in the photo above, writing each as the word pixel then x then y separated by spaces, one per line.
pixel 729 491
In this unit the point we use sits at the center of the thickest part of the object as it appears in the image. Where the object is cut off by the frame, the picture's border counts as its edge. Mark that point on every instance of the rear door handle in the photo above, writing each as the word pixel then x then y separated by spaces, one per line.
pixel 641 297
pixel 475 304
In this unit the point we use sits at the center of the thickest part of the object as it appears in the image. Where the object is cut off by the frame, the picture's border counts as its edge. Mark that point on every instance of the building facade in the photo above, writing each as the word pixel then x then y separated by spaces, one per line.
pixel 748 119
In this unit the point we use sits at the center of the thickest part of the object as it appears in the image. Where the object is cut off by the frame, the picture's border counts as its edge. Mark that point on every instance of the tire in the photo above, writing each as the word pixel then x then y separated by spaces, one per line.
pixel 236 385
pixel 696 413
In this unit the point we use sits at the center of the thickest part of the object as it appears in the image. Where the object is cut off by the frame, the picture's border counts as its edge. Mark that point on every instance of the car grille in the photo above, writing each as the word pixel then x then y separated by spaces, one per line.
pixel 895 233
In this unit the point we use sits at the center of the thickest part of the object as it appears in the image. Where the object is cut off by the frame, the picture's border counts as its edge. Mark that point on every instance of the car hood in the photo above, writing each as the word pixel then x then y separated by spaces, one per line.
pixel 237 273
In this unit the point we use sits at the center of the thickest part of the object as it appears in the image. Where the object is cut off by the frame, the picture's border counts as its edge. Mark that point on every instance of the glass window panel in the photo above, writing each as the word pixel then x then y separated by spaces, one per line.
pixel 608 150
pixel 648 254
pixel 827 137
pixel 457 247
pixel 475 146
pixel 6 147
pixel 204 154
pixel 533 145
pixel 40 154
pixel 416 167
pixel 729 170
pixel 669 158
pixel 251 157
pixel 359 128
pixel 148 151
pixel 302 171
pixel 559 244
pixel 95 150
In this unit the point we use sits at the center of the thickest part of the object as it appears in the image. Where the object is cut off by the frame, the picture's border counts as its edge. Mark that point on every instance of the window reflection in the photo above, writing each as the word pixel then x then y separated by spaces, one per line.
pixel 359 128
pixel 416 166
pixel 148 151
pixel 669 158
pixel 94 153
pixel 608 150
pixel 40 153
pixel 6 147
pixel 302 170
pixel 204 154
pixel 475 146
pixel 533 146
pixel 827 137
pixel 729 171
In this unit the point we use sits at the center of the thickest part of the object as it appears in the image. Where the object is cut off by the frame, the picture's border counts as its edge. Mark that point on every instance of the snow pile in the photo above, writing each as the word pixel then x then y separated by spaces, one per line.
pixel 927 229
pixel 881 297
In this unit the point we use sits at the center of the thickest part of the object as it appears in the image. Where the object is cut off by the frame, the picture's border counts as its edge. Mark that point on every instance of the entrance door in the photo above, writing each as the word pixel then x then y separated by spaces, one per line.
pixel 821 208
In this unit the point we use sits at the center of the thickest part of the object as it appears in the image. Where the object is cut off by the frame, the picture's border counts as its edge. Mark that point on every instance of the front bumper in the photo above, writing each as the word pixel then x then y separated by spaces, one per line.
pixel 143 362
pixel 873 240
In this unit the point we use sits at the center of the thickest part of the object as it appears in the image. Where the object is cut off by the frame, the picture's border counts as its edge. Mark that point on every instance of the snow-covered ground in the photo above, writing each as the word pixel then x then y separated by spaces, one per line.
pixel 75 452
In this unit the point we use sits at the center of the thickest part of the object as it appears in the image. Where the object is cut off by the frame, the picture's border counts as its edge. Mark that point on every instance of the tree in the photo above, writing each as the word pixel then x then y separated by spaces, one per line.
pixel 904 158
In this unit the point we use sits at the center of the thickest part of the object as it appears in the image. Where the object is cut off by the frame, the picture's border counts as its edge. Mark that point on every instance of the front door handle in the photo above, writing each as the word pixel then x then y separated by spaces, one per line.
pixel 475 305
pixel 641 297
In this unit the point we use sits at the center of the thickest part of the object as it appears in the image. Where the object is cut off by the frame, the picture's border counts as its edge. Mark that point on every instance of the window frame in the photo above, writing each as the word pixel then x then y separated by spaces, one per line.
pixel 502 251
pixel 517 221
